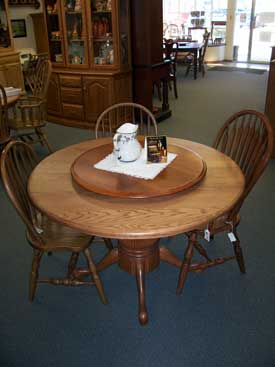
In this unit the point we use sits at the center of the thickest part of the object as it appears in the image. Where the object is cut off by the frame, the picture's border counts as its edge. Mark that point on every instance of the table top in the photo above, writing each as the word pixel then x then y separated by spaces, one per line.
pixel 186 170
pixel 53 191
pixel 182 45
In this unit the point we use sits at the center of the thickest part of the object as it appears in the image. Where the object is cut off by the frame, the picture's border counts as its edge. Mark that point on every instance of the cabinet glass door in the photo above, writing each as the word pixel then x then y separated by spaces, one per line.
pixel 75 32
pixel 5 39
pixel 102 32
pixel 54 31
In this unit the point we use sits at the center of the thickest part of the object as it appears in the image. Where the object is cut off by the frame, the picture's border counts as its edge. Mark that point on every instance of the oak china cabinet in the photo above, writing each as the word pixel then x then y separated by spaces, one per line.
pixel 89 47
pixel 10 67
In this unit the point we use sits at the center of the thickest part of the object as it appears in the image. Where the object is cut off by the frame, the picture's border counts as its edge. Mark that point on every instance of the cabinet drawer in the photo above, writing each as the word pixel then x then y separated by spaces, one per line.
pixel 71 95
pixel 73 111
pixel 70 81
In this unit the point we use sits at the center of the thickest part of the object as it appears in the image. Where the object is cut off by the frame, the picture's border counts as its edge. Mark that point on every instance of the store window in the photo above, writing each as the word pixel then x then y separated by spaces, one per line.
pixel 188 14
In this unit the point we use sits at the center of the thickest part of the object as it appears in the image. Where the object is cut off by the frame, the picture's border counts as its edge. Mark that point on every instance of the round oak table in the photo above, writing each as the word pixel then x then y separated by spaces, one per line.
pixel 137 223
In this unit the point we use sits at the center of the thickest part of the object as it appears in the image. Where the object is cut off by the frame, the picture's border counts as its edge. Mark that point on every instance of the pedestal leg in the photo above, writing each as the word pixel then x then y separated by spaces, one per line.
pixel 138 257
pixel 168 256
pixel 142 313
pixel 108 260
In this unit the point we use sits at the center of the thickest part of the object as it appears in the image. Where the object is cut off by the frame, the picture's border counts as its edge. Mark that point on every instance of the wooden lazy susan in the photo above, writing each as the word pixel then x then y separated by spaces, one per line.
pixel 186 170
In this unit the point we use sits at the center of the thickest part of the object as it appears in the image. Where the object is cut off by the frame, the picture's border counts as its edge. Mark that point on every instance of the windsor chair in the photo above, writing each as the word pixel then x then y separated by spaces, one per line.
pixel 200 60
pixel 4 129
pixel 114 116
pixel 247 138
pixel 43 234
pixel 28 117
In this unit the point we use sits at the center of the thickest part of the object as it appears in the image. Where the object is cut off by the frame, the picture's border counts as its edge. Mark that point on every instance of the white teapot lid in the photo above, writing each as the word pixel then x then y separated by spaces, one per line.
pixel 127 128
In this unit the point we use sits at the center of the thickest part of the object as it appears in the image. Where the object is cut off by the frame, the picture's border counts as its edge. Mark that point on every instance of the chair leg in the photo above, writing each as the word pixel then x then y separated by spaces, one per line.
pixel 186 262
pixel 72 263
pixel 108 243
pixel 188 69
pixel 95 276
pixel 159 91
pixel 34 273
pixel 239 253
pixel 175 87
pixel 43 138
pixel 203 70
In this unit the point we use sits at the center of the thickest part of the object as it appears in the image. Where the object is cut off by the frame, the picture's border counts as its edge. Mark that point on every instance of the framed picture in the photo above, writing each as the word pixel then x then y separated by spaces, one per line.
pixel 18 27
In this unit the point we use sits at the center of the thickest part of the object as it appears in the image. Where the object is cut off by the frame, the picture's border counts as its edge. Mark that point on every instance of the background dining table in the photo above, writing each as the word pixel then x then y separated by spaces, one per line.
pixel 194 48
pixel 137 222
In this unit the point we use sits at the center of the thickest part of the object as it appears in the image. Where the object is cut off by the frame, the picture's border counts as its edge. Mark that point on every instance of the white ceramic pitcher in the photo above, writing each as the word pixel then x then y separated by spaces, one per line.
pixel 126 146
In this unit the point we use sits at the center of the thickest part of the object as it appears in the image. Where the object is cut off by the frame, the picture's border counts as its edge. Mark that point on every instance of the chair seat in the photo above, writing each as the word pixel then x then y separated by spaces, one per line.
pixel 58 237
pixel 20 124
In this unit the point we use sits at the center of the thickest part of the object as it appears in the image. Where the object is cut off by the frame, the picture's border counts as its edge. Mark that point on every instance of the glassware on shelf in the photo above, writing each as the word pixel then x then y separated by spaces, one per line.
pixel 78 6
pixel 54 9
pixel 101 27
pixel 58 58
pixel 76 59
pixel 101 5
pixel 70 5
pixel 104 52
pixel 107 52
pixel 109 5
pixel 74 34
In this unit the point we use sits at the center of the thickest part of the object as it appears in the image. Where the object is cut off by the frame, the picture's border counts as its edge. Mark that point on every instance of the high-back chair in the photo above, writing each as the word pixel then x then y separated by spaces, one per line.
pixel 4 129
pixel 164 29
pixel 28 117
pixel 247 138
pixel 44 235
pixel 116 115
pixel 173 31
pixel 200 60
pixel 171 54
pixel 30 69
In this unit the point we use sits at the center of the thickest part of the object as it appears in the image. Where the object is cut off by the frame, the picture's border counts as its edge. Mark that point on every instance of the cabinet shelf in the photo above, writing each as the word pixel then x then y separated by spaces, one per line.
pixel 101 12
pixel 103 39
pixel 76 40
pixel 73 12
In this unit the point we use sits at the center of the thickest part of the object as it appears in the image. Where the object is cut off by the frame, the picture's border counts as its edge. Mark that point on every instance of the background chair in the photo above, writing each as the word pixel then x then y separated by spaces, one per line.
pixel 30 68
pixel 4 129
pixel 200 60
pixel 247 138
pixel 164 29
pixel 171 53
pixel 116 115
pixel 28 117
pixel 44 235
pixel 173 31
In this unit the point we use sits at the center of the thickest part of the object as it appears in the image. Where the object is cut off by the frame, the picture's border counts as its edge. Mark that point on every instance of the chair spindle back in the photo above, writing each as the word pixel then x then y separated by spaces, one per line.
pixel 4 130
pixel 118 114
pixel 42 78
pixel 17 162
pixel 247 138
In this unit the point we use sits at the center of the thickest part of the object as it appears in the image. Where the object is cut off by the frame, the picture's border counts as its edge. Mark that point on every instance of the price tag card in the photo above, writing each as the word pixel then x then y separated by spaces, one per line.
pixel 156 149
